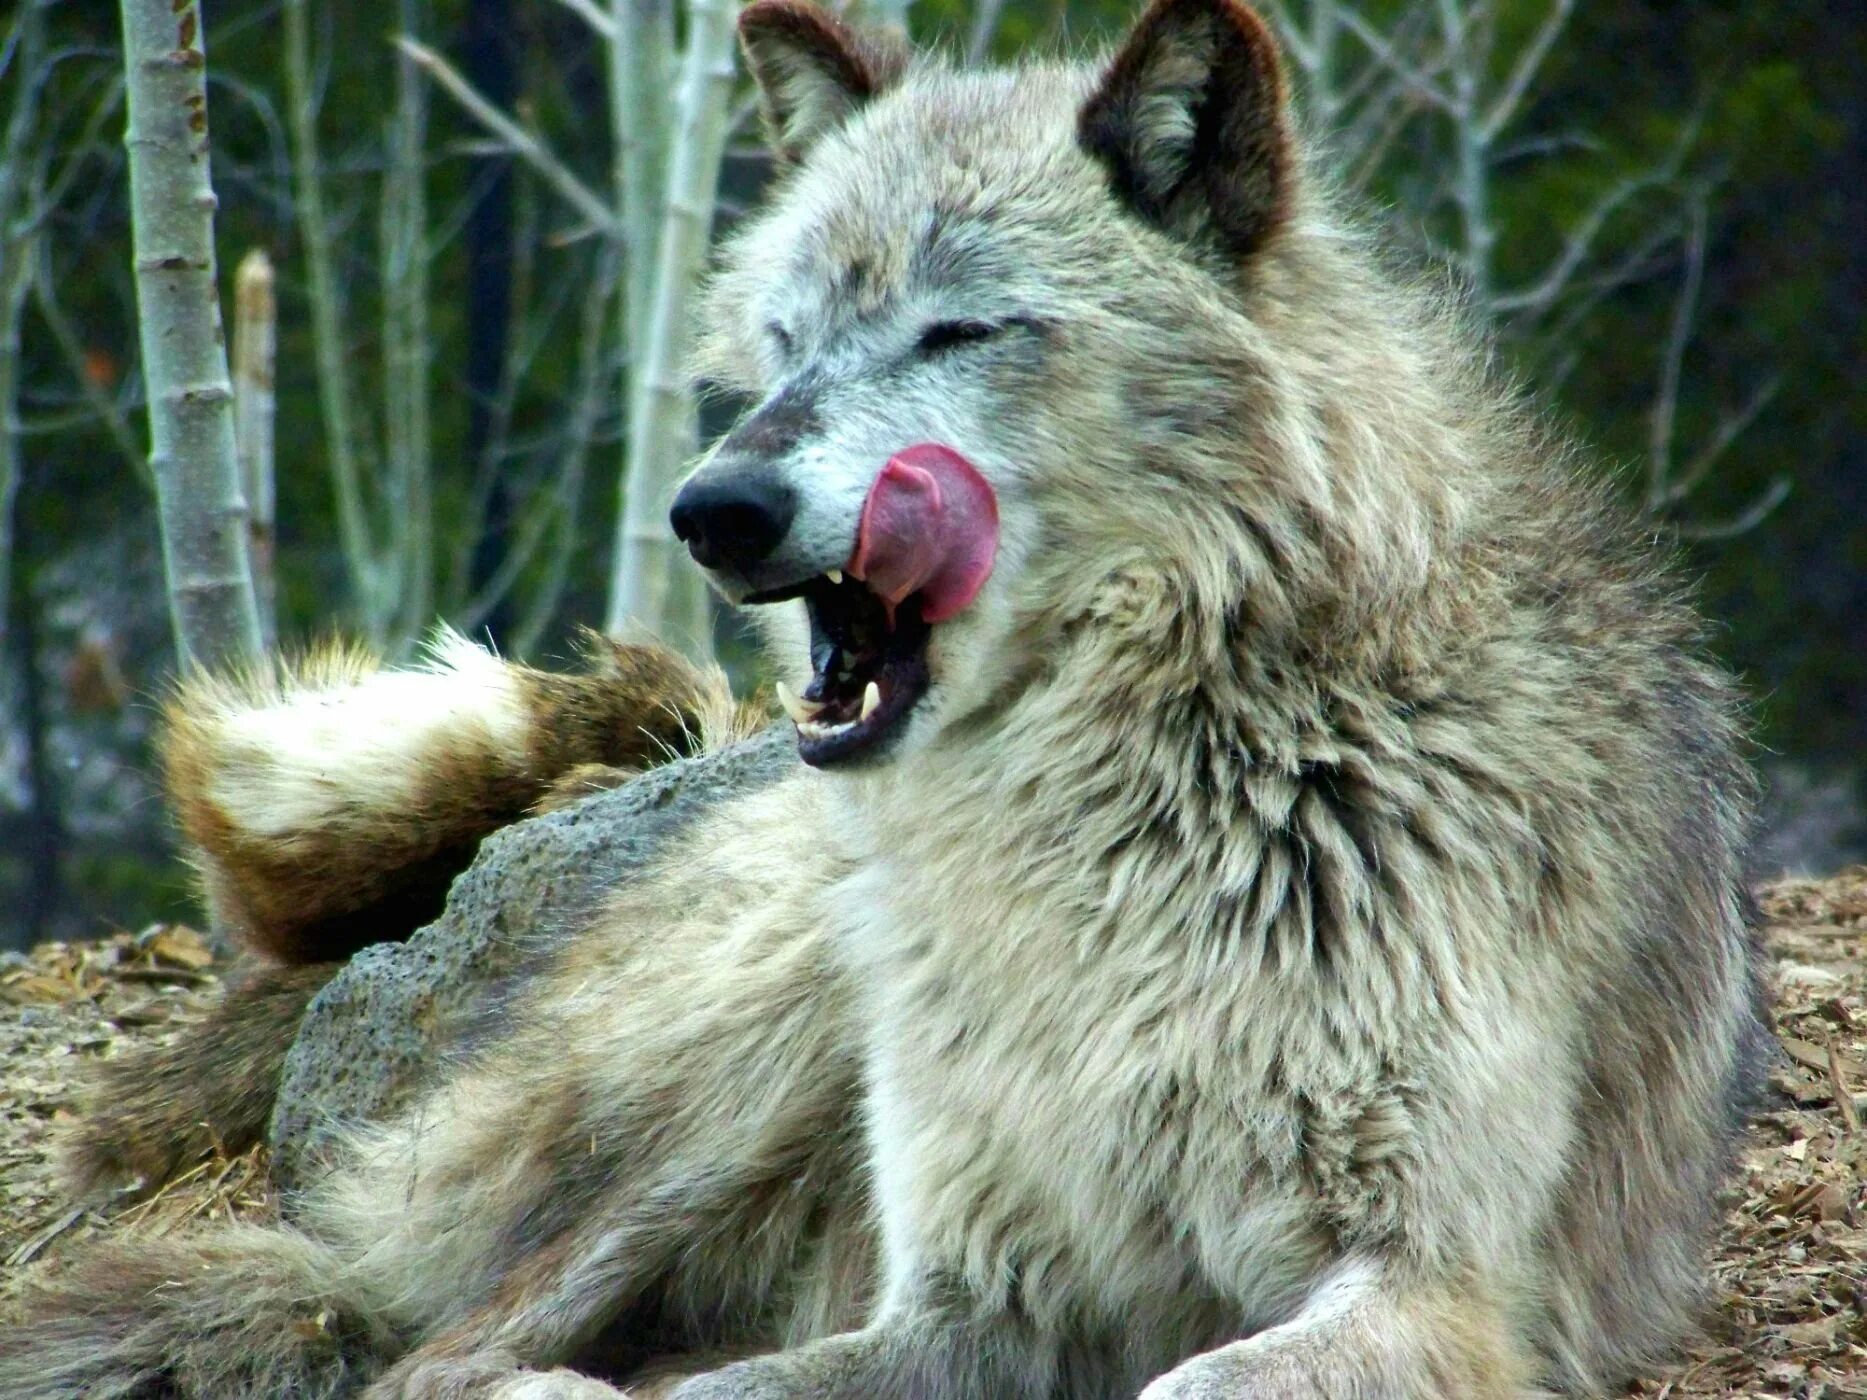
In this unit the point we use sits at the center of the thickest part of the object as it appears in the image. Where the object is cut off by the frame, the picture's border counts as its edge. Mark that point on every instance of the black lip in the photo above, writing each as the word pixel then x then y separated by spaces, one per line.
pixel 855 639
pixel 777 595
pixel 875 735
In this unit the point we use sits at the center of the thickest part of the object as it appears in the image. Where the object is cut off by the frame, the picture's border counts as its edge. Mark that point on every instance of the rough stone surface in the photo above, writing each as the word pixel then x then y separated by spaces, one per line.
pixel 372 1033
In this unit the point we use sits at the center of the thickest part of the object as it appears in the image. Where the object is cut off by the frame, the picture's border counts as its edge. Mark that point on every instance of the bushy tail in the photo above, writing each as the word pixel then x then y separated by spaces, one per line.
pixel 332 801
pixel 156 1111
pixel 243 1311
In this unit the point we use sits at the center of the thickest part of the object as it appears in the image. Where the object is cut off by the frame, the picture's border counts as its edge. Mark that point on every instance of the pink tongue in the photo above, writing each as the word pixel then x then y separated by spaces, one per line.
pixel 930 526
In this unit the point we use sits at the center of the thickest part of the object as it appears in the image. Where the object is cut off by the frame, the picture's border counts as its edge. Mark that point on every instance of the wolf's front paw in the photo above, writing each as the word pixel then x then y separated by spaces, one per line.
pixel 762 1378
pixel 1234 1373
pixel 850 1364
pixel 722 1385
pixel 553 1385
pixel 484 1376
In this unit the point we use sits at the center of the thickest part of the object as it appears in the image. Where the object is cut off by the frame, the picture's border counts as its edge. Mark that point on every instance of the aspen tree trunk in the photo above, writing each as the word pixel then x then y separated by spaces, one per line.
pixel 202 510
pixel 406 338
pixel 890 14
pixel 661 406
pixel 639 104
pixel 255 352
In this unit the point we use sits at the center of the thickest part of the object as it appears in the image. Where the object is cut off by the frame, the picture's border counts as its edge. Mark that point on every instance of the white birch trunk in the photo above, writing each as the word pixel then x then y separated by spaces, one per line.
pixel 406 349
pixel 639 103
pixel 661 407
pixel 202 509
pixel 255 353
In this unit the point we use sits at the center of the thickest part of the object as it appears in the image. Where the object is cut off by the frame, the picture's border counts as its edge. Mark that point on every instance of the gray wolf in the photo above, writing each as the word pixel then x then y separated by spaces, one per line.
pixel 1261 914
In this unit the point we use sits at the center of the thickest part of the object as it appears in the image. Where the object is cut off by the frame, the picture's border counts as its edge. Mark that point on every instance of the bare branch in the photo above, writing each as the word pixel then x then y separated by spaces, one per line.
pixel 1577 246
pixel 25 45
pixel 525 333
pixel 1663 421
pixel 1383 118
pixel 1376 77
pixel 1586 293
pixel 1742 523
pixel 512 136
pixel 587 11
pixel 1297 49
pixel 1731 427
pixel 530 535
pixel 580 432
pixel 1451 22
pixel 548 518
pixel 333 375
pixel 1417 80
pixel 105 408
pixel 1553 144
pixel 49 194
pixel 1529 64
pixel 28 195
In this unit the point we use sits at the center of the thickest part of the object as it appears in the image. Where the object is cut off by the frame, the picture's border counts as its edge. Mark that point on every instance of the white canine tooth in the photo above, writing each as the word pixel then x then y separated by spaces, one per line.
pixel 871 699
pixel 833 575
pixel 798 708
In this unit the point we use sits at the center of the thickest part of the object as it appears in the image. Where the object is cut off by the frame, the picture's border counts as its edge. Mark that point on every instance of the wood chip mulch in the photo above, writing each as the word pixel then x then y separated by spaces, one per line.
pixel 1790 1269
pixel 62 1007
pixel 1791 1266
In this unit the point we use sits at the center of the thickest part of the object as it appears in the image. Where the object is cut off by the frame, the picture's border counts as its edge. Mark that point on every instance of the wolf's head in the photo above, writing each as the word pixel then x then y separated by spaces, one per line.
pixel 999 328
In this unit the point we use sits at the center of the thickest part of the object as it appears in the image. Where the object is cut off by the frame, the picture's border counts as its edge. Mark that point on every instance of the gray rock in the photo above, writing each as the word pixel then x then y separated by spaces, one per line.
pixel 371 1035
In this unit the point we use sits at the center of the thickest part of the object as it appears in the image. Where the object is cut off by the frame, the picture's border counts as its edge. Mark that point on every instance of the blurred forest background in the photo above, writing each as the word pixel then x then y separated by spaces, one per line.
pixel 1662 208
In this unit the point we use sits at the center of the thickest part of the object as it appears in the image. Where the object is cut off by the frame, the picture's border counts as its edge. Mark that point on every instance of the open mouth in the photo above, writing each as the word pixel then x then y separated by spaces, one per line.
pixel 924 547
pixel 868 663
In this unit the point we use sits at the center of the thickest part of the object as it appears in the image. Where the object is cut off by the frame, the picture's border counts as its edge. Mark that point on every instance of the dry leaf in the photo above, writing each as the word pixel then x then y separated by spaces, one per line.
pixel 181 947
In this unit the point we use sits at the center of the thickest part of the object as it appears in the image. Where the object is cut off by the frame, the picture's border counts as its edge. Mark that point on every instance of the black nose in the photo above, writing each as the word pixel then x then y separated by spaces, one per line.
pixel 734 518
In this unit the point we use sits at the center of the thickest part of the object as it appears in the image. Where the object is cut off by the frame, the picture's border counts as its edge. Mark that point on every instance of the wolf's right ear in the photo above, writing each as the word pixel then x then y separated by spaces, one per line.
pixel 813 71
pixel 1190 121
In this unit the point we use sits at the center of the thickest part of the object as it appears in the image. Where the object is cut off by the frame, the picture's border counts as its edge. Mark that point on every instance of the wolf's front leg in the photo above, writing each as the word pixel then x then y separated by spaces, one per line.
pixel 1365 1335
pixel 489 1375
pixel 926 1358
pixel 557 1385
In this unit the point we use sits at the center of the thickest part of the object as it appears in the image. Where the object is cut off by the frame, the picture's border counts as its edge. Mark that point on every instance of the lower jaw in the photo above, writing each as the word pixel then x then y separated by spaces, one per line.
pixel 869 742
pixel 867 656
pixel 848 751
pixel 830 755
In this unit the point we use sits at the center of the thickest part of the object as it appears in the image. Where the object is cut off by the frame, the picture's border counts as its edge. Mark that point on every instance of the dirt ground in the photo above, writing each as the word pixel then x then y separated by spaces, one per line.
pixel 1790 1269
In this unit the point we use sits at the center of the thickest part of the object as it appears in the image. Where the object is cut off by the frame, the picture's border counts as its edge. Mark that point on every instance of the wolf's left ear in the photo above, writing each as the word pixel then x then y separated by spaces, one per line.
pixel 813 71
pixel 1190 120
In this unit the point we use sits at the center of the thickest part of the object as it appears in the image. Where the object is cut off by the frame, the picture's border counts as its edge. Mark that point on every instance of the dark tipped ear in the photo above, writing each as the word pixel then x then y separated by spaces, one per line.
pixel 1190 121
pixel 812 70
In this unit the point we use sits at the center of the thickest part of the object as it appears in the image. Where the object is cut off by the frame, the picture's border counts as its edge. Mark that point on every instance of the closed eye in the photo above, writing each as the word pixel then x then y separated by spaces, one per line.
pixel 943 336
pixel 781 338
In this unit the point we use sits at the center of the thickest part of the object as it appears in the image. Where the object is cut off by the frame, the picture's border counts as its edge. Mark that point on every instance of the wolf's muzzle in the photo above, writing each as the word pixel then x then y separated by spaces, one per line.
pixel 732 517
